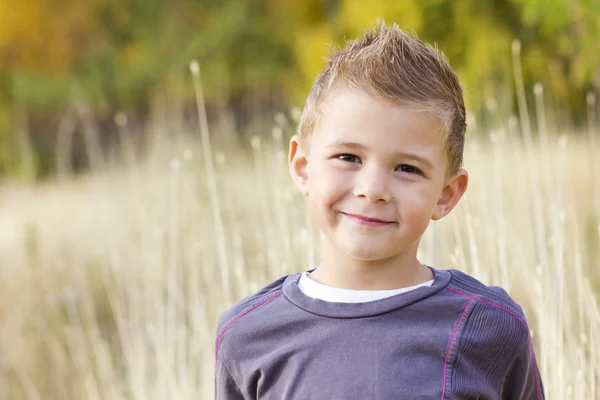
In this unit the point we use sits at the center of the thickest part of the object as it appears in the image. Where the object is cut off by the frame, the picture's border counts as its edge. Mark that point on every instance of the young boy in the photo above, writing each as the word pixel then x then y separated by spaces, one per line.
pixel 378 156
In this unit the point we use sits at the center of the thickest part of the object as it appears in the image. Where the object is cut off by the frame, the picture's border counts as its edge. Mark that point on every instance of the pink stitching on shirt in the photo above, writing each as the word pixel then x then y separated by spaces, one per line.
pixel 227 327
pixel 493 304
pixel 535 372
pixel 450 345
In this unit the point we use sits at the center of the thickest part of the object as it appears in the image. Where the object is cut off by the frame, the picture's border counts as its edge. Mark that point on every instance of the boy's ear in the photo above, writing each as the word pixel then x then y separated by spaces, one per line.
pixel 451 193
pixel 298 164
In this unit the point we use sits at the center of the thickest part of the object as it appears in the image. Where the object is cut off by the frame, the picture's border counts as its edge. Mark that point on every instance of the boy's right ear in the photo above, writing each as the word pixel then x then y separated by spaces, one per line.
pixel 298 164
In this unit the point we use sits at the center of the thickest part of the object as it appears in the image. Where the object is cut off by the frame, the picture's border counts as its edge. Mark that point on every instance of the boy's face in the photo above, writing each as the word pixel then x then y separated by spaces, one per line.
pixel 375 175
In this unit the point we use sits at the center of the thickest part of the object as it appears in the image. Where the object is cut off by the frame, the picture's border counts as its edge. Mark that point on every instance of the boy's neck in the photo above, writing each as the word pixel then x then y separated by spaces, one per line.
pixel 381 275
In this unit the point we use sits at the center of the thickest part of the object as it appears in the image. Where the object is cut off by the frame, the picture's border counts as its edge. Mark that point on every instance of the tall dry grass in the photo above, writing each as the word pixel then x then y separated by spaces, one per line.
pixel 111 284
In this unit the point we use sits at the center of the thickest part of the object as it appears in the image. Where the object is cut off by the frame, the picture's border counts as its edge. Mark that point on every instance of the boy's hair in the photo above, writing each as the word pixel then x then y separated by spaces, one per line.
pixel 389 63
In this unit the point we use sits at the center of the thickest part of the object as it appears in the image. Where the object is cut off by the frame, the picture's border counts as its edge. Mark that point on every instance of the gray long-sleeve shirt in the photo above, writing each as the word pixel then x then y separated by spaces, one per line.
pixel 457 339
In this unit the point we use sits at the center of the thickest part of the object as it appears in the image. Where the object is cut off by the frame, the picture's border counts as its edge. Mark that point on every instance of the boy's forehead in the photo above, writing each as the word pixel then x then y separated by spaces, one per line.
pixel 353 115
pixel 350 105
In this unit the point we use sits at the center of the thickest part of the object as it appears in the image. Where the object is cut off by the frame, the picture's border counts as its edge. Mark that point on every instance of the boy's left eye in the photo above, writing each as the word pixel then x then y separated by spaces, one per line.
pixel 409 169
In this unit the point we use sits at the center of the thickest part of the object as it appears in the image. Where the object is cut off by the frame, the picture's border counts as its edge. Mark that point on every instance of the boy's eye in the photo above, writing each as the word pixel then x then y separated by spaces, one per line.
pixel 348 157
pixel 409 169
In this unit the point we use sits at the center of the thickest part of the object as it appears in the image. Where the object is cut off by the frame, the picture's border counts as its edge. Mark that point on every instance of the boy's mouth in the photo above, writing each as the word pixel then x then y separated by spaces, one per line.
pixel 364 220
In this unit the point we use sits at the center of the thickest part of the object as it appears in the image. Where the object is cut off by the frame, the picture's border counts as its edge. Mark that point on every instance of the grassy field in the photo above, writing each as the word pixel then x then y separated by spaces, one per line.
pixel 111 283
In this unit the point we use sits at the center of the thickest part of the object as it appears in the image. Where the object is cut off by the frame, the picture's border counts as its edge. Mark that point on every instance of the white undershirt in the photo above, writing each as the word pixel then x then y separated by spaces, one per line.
pixel 317 290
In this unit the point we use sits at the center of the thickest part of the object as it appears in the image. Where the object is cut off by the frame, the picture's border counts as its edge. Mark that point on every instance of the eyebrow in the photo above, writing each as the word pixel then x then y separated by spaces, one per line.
pixel 359 146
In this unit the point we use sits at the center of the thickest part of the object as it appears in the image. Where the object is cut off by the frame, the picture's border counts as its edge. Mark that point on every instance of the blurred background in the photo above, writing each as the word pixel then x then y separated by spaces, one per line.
pixel 66 62
pixel 144 184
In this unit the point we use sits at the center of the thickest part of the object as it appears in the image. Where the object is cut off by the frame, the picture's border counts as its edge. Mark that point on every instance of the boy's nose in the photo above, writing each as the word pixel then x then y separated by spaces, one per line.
pixel 372 185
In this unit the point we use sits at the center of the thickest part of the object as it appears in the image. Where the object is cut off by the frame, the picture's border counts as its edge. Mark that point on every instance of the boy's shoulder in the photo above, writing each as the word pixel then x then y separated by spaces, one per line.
pixel 491 306
pixel 466 285
pixel 250 303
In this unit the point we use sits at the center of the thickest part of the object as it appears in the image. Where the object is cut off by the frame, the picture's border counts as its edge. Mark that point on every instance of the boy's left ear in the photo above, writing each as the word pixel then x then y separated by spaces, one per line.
pixel 453 190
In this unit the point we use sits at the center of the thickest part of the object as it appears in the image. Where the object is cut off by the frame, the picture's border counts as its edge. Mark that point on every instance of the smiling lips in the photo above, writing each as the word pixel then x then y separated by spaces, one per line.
pixel 368 221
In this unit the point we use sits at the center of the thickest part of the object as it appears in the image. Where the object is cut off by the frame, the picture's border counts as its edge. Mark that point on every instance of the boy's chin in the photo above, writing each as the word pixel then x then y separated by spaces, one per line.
pixel 367 253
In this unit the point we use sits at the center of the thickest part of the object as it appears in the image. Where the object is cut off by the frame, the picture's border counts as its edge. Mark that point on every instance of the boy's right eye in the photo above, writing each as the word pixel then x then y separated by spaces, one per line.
pixel 348 157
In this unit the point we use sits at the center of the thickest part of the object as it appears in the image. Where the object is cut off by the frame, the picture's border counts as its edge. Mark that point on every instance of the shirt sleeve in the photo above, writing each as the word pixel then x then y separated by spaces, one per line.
pixel 226 387
pixel 523 380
